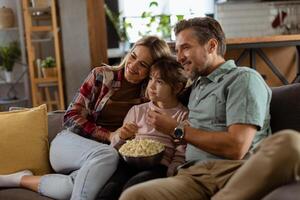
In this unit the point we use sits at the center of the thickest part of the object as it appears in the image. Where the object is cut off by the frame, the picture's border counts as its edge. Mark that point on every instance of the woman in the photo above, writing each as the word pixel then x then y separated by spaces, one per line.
pixel 80 154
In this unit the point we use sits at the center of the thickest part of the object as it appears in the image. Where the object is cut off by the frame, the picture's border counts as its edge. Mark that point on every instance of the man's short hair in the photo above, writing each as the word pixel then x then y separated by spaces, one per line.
pixel 204 28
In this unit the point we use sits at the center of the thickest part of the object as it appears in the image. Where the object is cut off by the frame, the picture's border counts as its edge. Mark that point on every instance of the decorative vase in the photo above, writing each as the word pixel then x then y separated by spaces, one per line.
pixel 8 76
pixel 6 17
pixel 49 72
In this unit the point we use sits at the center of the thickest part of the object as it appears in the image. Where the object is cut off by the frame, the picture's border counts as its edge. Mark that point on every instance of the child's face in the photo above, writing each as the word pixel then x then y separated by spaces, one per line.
pixel 158 90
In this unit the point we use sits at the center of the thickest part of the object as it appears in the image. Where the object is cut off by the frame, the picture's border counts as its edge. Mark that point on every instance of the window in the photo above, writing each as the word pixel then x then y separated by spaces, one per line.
pixel 132 11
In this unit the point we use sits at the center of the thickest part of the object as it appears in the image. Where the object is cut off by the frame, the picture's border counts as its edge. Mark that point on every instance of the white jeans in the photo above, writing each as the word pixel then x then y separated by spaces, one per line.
pixel 83 165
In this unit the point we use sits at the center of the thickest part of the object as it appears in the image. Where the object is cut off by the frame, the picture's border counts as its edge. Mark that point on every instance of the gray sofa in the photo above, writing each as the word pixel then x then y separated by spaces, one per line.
pixel 285 114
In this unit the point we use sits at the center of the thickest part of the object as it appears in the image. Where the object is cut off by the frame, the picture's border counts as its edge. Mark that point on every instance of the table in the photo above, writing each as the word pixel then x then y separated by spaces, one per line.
pixel 254 45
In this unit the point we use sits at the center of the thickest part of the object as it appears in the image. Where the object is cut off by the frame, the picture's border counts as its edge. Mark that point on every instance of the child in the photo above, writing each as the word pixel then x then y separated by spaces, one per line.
pixel 165 83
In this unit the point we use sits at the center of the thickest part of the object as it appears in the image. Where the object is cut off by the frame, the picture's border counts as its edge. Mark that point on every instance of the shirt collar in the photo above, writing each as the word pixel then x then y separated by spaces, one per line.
pixel 218 73
pixel 118 77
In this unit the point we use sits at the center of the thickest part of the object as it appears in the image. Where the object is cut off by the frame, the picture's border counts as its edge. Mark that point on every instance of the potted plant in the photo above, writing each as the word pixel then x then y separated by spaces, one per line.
pixel 9 54
pixel 161 22
pixel 48 66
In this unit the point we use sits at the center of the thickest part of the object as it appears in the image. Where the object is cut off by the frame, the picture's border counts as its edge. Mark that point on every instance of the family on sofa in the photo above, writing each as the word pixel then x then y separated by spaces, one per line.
pixel 229 152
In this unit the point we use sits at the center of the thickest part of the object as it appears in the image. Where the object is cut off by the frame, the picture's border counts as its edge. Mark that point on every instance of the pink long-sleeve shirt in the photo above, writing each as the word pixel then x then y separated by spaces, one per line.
pixel 174 154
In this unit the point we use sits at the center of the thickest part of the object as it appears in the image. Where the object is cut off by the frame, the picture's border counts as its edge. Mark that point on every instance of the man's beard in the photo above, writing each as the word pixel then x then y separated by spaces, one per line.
pixel 194 74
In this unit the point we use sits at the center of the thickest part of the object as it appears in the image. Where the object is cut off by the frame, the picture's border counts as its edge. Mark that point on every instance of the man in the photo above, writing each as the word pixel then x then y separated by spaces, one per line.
pixel 229 116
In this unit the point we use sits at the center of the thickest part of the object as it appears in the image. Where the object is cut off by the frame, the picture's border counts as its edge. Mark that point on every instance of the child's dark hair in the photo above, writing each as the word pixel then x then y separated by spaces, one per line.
pixel 170 71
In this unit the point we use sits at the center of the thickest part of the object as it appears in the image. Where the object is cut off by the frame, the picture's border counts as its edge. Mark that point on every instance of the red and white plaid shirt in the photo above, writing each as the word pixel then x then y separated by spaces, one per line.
pixel 82 113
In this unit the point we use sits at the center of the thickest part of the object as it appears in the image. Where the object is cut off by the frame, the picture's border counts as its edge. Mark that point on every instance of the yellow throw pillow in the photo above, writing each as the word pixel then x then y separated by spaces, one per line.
pixel 24 141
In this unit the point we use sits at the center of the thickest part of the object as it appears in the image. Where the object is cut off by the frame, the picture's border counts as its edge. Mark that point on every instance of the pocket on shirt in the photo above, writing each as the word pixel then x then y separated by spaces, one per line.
pixel 206 108
pixel 211 111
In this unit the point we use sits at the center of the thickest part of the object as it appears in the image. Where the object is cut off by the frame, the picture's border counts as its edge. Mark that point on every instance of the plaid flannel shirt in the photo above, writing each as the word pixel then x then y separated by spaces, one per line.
pixel 81 115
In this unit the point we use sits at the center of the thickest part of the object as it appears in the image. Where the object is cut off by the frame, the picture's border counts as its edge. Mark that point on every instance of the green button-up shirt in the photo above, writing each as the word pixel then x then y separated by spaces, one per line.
pixel 229 95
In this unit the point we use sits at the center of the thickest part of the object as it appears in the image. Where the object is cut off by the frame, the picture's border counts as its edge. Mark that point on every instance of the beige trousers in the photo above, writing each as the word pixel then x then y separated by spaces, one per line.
pixel 276 162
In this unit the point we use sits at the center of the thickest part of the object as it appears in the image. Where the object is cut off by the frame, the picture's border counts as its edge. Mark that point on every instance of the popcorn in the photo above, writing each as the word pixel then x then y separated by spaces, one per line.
pixel 141 148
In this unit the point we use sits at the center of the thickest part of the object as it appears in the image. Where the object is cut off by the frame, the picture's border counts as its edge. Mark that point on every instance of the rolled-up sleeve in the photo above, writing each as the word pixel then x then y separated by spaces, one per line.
pixel 247 100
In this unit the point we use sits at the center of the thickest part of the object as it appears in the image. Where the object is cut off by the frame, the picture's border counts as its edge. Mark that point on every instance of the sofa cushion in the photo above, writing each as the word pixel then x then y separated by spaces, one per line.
pixel 24 141
pixel 285 107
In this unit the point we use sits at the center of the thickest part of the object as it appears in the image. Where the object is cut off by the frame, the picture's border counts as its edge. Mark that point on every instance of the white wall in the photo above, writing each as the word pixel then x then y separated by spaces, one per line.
pixel 75 45
pixel 251 19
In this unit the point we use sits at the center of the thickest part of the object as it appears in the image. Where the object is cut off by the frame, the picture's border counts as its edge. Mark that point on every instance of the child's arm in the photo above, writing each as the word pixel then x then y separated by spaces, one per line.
pixel 127 131
pixel 115 140
pixel 178 159
pixel 119 137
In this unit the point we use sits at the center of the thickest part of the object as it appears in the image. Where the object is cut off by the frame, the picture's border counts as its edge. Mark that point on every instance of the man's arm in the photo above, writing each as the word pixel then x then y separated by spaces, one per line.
pixel 233 144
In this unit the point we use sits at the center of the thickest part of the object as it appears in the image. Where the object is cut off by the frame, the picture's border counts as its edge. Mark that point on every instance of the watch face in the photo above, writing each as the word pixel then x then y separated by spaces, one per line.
pixel 178 133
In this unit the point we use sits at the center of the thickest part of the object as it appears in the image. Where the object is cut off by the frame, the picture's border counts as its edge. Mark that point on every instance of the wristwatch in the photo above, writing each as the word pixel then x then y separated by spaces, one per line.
pixel 178 133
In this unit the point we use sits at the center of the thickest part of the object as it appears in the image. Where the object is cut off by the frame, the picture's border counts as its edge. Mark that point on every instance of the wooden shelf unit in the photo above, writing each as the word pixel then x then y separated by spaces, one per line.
pixel 41 87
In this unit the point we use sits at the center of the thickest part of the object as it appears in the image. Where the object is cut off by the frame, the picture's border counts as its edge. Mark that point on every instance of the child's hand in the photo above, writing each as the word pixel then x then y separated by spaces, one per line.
pixel 128 130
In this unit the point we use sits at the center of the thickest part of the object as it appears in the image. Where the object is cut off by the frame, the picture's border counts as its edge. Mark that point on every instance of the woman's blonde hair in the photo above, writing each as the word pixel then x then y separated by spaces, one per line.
pixel 158 48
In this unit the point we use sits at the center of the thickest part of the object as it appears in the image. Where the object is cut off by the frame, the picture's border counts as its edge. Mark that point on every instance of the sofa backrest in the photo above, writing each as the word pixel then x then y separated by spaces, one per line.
pixel 55 122
pixel 285 107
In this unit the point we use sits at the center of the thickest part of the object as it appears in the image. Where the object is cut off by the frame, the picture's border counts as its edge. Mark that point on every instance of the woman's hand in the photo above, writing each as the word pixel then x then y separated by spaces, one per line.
pixel 127 131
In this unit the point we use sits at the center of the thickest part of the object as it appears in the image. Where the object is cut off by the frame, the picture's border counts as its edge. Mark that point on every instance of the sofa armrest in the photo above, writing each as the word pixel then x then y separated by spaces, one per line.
pixel 286 192
pixel 55 123
pixel 285 107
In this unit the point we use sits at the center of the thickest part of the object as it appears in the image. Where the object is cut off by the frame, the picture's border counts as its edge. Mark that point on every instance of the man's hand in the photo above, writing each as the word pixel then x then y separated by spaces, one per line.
pixel 127 131
pixel 162 122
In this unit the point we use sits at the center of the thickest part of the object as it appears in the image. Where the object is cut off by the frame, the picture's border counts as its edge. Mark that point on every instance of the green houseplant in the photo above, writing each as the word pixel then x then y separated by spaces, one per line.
pixel 9 54
pixel 48 66
pixel 162 22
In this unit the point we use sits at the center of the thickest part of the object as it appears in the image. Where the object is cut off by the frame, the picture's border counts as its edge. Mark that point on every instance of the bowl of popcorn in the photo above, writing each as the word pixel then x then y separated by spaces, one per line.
pixel 142 153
